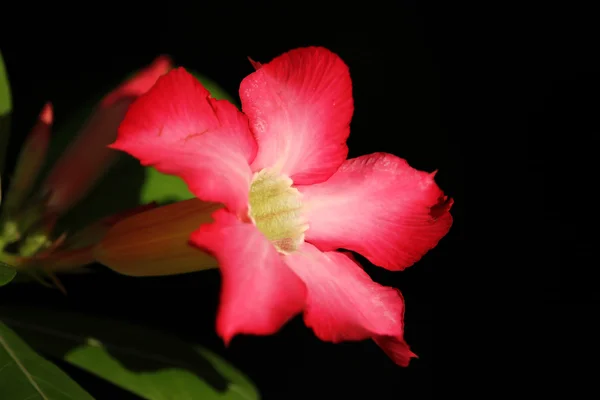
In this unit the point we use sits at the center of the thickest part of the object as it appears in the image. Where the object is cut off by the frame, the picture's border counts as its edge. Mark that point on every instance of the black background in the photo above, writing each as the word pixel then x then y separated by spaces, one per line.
pixel 405 97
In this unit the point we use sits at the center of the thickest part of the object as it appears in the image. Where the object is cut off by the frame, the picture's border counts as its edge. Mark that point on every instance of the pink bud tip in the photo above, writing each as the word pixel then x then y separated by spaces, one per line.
pixel 255 64
pixel 162 63
pixel 47 114
pixel 141 82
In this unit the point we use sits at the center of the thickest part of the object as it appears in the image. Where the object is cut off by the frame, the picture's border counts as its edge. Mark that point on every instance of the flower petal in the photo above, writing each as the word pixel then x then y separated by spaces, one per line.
pixel 179 129
pixel 259 293
pixel 343 303
pixel 299 106
pixel 380 207
pixel 396 349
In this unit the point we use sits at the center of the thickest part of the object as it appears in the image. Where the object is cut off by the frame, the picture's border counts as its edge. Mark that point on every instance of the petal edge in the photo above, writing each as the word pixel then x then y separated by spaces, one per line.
pixel 299 106
pixel 380 207
pixel 259 293
pixel 181 130
pixel 343 303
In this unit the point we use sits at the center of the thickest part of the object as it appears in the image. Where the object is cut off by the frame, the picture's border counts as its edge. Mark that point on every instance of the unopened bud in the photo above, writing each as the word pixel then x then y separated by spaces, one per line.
pixel 30 161
pixel 156 242
pixel 87 158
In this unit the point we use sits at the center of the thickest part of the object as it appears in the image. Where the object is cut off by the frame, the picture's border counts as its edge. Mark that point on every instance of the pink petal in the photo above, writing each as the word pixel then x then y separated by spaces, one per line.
pixel 380 207
pixel 396 349
pixel 299 106
pixel 179 129
pixel 259 293
pixel 343 303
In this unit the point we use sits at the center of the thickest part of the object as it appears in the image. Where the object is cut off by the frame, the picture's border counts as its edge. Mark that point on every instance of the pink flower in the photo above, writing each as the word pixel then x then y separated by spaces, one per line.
pixel 291 198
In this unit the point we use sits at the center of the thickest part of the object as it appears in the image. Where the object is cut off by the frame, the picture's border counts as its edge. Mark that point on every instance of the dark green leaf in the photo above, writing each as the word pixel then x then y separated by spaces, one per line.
pixel 5 110
pixel 7 274
pixel 215 90
pixel 5 98
pixel 148 363
pixel 26 375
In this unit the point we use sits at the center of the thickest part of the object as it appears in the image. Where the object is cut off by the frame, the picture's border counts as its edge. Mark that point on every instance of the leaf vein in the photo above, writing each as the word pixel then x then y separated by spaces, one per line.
pixel 22 367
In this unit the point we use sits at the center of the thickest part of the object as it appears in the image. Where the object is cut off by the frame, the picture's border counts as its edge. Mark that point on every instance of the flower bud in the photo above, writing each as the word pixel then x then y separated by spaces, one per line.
pixel 87 158
pixel 156 242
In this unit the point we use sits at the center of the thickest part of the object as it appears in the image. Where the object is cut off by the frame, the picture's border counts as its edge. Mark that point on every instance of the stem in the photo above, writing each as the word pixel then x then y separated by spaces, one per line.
pixel 57 262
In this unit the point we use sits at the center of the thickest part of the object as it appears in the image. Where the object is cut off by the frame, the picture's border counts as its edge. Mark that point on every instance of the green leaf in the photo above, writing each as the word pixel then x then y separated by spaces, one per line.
pixel 7 274
pixel 5 110
pixel 26 375
pixel 215 90
pixel 5 98
pixel 151 364
pixel 162 188
pixel 127 184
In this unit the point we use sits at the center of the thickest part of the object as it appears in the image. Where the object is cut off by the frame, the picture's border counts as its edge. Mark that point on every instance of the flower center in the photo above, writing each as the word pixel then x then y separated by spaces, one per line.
pixel 276 210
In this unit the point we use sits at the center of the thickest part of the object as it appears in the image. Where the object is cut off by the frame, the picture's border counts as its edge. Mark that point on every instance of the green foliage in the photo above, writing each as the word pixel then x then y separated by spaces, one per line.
pixel 26 375
pixel 7 274
pixel 5 111
pixel 151 364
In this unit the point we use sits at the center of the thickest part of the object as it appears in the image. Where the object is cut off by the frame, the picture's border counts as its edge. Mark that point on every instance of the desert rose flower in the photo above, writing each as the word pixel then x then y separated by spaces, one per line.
pixel 291 199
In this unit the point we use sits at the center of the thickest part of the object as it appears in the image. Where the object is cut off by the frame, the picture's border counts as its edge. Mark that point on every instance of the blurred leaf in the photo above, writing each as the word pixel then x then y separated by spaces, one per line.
pixel 26 375
pixel 127 184
pixel 7 274
pixel 163 188
pixel 5 98
pixel 215 90
pixel 5 110
pixel 148 363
